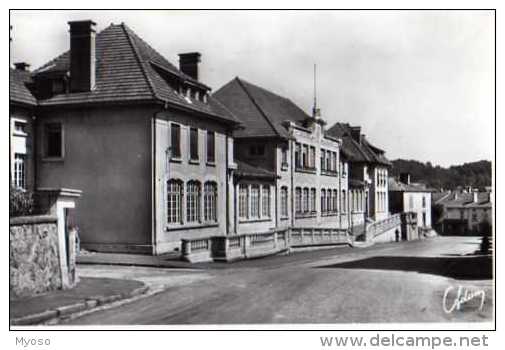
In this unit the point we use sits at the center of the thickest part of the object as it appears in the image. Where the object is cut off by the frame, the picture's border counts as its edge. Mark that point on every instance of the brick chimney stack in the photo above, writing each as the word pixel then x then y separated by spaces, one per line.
pixel 82 56
pixel 188 63
pixel 356 133
pixel 21 66
pixel 405 178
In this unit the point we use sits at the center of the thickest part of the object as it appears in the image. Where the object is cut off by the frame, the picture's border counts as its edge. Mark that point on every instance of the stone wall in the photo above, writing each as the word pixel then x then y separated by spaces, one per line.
pixel 34 265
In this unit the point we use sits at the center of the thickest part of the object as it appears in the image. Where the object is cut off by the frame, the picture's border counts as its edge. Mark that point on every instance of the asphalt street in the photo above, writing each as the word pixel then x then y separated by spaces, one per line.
pixel 395 282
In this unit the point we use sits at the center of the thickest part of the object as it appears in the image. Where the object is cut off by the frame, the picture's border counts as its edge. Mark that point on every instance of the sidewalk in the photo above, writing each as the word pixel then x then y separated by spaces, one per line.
pixel 165 260
pixel 89 293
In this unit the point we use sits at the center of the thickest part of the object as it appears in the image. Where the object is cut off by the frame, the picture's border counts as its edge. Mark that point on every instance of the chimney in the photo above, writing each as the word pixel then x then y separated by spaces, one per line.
pixel 356 133
pixel 82 56
pixel 21 66
pixel 188 63
pixel 405 178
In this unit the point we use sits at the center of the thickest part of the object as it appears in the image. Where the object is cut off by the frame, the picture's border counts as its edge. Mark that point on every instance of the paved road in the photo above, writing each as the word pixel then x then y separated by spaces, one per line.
pixel 397 282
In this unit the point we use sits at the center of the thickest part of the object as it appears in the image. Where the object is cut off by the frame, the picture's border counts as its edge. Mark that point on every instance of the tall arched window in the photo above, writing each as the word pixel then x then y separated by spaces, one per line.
pixel 298 200
pixel 305 200
pixel 210 201
pixel 335 200
pixel 344 203
pixel 284 202
pixel 323 201
pixel 265 201
pixel 329 201
pixel 193 201
pixel 243 201
pixel 313 200
pixel 174 201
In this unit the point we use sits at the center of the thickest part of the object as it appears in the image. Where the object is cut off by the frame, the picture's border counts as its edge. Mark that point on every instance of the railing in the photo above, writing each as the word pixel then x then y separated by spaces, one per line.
pixel 249 245
pixel 380 227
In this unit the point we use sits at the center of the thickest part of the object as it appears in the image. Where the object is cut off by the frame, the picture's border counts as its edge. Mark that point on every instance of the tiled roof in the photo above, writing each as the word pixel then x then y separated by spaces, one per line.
pixel 245 169
pixel 128 70
pixel 395 185
pixel 260 111
pixel 18 92
pixel 354 151
pixel 465 199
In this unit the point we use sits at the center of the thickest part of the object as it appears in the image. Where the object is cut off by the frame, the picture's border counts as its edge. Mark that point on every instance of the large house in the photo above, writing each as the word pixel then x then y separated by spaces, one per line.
pixel 22 112
pixel 145 141
pixel 407 196
pixel 463 212
pixel 280 139
pixel 368 174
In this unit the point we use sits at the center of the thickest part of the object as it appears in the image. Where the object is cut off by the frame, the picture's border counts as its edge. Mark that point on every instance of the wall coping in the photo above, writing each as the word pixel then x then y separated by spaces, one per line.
pixel 32 219
pixel 68 192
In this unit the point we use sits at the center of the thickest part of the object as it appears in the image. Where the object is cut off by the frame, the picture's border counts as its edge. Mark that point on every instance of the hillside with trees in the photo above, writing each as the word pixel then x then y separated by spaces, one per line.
pixel 475 174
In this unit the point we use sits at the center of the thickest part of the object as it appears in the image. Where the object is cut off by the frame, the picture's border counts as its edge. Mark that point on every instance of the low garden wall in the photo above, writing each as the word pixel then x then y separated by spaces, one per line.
pixel 34 264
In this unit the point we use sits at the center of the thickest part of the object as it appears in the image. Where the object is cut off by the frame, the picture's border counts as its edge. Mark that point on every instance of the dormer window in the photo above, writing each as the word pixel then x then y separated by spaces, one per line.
pixel 58 87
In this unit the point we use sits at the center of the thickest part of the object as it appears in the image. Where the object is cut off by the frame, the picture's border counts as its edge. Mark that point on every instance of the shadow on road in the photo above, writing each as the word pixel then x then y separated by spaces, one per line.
pixel 462 267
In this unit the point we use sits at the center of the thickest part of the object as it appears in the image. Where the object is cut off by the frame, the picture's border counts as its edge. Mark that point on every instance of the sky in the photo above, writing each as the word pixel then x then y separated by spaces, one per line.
pixel 419 83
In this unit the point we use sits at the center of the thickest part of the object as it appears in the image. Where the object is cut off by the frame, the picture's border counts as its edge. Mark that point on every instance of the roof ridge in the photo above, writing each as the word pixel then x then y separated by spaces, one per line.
pixel 267 118
pixel 127 30
pixel 216 100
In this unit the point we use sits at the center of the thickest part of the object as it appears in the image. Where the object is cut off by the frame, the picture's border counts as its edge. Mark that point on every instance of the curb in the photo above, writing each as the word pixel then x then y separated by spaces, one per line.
pixel 67 310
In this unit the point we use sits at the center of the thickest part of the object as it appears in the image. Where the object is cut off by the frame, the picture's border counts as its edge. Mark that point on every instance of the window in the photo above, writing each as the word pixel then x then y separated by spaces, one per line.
pixel 265 201
pixel 210 201
pixel 175 133
pixel 312 157
pixel 284 162
pixel 334 161
pixel 193 144
pixel 424 202
pixel 343 206
pixel 243 201
pixel 53 140
pixel 335 200
pixel 323 201
pixel 257 150
pixel 328 160
pixel 193 202
pixel 323 160
pixel 305 200
pixel 298 161
pixel 298 200
pixel 305 156
pixel 313 200
pixel 211 148
pixel 20 127
pixel 255 201
pixel 284 202
pixel 174 201
pixel 19 171
pixel 329 201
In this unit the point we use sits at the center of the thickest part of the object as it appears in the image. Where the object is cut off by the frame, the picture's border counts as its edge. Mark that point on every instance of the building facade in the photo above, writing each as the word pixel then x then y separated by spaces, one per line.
pixel 405 196
pixel 368 174
pixel 22 108
pixel 462 212
pixel 148 146
pixel 280 138
pixel 158 158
